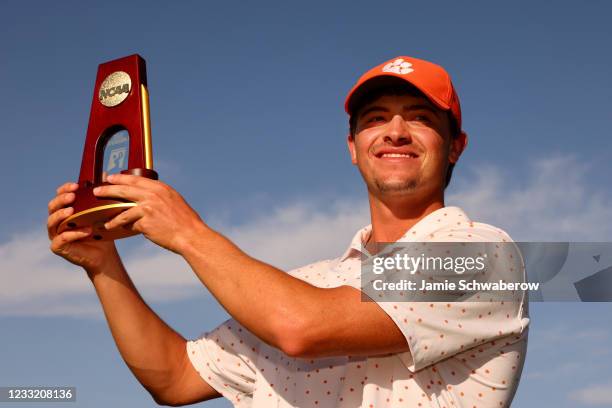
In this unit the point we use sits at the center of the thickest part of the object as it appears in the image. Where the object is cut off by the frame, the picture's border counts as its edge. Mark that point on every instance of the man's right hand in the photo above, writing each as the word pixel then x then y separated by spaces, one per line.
pixel 89 254
pixel 156 354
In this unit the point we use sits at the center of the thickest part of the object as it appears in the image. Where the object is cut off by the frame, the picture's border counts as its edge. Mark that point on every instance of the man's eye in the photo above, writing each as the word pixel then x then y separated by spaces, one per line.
pixel 375 119
pixel 422 118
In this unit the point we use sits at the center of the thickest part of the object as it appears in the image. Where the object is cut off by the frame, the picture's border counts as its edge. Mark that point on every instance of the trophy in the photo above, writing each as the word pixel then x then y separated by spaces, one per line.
pixel 118 140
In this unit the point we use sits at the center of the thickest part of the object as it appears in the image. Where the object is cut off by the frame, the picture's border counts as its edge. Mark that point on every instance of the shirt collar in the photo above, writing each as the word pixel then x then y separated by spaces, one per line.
pixel 360 238
pixel 418 232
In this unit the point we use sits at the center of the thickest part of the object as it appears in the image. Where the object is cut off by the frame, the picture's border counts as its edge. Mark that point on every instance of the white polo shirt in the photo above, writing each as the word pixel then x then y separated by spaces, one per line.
pixel 463 354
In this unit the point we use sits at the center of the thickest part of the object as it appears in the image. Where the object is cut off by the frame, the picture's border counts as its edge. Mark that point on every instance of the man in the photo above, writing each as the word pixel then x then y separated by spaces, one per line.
pixel 305 338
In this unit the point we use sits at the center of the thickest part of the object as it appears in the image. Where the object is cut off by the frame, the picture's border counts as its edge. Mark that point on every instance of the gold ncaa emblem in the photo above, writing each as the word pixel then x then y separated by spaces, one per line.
pixel 115 89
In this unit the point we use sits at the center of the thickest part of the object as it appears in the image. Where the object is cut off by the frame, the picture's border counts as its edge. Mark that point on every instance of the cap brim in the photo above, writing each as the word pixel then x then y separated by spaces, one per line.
pixel 379 81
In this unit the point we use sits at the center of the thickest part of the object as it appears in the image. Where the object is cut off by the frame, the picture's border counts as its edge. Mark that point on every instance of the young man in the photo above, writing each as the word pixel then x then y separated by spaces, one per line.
pixel 305 338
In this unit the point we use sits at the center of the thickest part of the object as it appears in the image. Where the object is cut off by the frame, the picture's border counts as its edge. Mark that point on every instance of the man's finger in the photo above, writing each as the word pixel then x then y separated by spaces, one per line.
pixel 125 218
pixel 67 237
pixel 131 180
pixel 60 201
pixel 127 192
pixel 67 188
pixel 56 218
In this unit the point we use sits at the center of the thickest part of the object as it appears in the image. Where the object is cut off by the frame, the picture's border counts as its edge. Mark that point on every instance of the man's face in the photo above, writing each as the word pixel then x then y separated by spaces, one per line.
pixel 403 145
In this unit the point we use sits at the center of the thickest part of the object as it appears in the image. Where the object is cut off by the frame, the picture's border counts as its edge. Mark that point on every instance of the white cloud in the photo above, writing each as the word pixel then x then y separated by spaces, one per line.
pixel 548 342
pixel 302 233
pixel 36 282
pixel 554 202
pixel 566 335
pixel 596 394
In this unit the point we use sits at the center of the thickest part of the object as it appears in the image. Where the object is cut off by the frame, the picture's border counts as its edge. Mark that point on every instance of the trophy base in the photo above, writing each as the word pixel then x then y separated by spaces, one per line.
pixel 96 217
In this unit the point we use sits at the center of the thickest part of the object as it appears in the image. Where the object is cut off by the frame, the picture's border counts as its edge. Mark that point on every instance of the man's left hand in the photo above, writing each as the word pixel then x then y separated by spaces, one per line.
pixel 161 213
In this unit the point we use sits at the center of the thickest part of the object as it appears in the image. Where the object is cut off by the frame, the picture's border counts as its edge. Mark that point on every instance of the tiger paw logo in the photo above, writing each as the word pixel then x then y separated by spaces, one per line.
pixel 399 66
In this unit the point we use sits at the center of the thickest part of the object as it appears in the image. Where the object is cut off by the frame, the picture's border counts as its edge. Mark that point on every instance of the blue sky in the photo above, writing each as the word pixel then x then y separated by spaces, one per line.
pixel 248 124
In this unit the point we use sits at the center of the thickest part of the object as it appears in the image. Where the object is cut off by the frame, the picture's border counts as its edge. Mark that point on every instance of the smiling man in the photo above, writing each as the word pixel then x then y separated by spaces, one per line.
pixel 305 338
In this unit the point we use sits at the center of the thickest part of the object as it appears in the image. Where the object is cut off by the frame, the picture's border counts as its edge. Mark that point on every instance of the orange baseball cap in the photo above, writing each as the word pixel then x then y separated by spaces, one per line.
pixel 429 78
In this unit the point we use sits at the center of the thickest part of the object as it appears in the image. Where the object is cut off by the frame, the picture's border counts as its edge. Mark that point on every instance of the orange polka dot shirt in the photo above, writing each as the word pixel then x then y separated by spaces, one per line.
pixel 463 354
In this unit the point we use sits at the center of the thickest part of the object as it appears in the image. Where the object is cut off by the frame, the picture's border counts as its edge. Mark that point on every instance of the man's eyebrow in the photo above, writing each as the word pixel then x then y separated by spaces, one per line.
pixel 372 109
pixel 423 107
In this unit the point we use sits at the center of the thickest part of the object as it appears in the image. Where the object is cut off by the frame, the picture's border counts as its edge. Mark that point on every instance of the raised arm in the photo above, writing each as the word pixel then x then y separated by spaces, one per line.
pixel 153 351
pixel 300 319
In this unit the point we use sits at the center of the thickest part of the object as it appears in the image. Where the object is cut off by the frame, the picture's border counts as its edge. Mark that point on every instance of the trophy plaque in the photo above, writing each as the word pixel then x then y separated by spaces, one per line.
pixel 118 140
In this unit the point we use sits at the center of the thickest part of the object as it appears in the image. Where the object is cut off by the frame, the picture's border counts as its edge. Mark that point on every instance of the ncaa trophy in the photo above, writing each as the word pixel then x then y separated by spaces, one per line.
pixel 118 140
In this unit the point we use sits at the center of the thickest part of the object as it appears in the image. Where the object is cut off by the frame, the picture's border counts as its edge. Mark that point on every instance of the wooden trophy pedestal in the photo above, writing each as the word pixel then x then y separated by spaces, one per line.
pixel 93 211
pixel 120 103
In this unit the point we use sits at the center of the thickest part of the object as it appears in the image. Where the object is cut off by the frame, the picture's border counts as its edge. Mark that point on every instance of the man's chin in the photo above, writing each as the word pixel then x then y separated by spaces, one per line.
pixel 396 186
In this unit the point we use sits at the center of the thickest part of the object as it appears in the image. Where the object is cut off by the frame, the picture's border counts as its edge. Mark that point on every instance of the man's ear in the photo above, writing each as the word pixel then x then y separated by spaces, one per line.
pixel 458 145
pixel 350 141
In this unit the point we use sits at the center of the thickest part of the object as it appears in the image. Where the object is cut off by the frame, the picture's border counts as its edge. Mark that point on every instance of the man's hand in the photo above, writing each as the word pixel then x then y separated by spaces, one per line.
pixel 162 214
pixel 69 244
pixel 154 352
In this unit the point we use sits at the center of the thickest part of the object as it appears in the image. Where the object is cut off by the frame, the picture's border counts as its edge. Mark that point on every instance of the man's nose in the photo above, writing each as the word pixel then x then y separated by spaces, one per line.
pixel 397 131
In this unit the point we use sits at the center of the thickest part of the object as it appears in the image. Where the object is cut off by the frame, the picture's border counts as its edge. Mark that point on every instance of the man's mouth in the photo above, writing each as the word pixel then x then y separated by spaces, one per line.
pixel 397 155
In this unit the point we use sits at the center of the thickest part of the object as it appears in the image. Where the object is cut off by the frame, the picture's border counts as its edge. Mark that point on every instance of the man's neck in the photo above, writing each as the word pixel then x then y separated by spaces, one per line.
pixel 391 218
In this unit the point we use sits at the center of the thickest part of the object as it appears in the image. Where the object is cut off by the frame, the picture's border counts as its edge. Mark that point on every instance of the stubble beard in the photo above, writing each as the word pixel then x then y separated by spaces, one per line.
pixel 386 187
pixel 394 186
pixel 391 185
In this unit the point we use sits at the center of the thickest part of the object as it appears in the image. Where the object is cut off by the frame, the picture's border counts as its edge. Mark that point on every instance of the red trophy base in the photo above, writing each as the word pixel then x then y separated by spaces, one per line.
pixel 92 211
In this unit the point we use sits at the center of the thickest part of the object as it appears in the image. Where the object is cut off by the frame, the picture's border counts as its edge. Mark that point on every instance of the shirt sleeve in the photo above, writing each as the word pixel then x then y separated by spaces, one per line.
pixel 438 330
pixel 225 358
